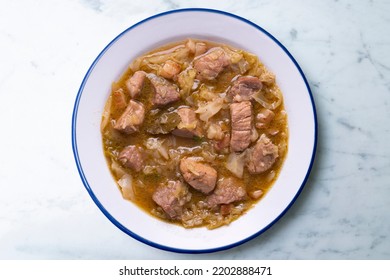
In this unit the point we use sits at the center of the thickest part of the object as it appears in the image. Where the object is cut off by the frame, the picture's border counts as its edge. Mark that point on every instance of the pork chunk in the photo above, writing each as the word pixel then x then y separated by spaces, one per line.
pixel 209 65
pixel 171 197
pixel 132 157
pixel 200 176
pixel 165 92
pixel 136 83
pixel 244 87
pixel 189 124
pixel 262 156
pixel 131 119
pixel 241 120
pixel 227 191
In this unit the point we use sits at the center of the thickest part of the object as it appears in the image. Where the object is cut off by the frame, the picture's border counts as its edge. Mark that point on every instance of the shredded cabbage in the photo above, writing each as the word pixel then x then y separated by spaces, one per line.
pixel 209 109
pixel 206 93
pixel 106 114
pixel 260 98
pixel 117 169
pixel 186 81
pixel 235 56
pixel 267 77
pixel 126 184
pixel 254 64
pixel 157 144
pixel 164 123
pixel 179 54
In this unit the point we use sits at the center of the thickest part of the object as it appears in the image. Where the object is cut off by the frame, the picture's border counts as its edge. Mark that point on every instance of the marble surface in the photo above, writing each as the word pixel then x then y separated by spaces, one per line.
pixel 47 47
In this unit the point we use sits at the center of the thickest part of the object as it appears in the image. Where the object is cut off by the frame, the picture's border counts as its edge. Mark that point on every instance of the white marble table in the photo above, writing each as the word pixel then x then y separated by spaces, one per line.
pixel 342 46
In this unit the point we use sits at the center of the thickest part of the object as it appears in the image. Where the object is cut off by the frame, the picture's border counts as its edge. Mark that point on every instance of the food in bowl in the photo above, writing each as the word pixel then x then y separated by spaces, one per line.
pixel 195 132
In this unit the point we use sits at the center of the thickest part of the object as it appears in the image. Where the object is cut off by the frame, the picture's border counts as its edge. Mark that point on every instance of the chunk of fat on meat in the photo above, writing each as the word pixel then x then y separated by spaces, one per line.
pixel 131 119
pixel 200 176
pixel 169 70
pixel 164 91
pixel 210 64
pixel 106 114
pixel 135 83
pixel 262 156
pixel 132 157
pixel 243 88
pixel 241 123
pixel 171 197
pixel 228 190
pixel 189 126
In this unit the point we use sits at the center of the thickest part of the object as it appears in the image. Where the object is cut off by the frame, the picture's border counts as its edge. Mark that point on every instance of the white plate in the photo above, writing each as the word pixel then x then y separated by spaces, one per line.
pixel 170 27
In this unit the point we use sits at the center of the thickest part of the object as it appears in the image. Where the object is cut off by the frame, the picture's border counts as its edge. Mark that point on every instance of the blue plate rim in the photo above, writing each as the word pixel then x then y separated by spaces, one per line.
pixel 140 238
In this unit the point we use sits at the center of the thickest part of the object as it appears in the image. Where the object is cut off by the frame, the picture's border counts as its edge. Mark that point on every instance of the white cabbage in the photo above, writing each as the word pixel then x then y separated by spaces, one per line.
pixel 157 144
pixel 126 184
pixel 260 98
pixel 209 109
pixel 235 163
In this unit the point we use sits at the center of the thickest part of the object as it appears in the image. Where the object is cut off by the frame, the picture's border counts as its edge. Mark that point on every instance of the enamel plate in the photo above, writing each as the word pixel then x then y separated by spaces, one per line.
pixel 159 30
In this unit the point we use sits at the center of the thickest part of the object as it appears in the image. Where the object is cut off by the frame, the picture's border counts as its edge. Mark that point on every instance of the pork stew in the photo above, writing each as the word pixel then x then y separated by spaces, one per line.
pixel 195 132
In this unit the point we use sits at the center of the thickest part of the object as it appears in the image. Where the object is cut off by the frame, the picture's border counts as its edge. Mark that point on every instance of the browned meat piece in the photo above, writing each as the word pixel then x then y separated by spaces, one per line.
pixel 244 87
pixel 227 191
pixel 131 118
pixel 171 198
pixel 119 99
pixel 241 119
pixel 262 156
pixel 209 65
pixel 189 124
pixel 132 157
pixel 165 92
pixel 170 69
pixel 200 176
pixel 264 117
pixel 136 83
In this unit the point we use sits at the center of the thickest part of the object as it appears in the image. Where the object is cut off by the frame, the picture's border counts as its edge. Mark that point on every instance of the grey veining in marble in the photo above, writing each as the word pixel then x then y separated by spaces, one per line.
pixel 343 48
